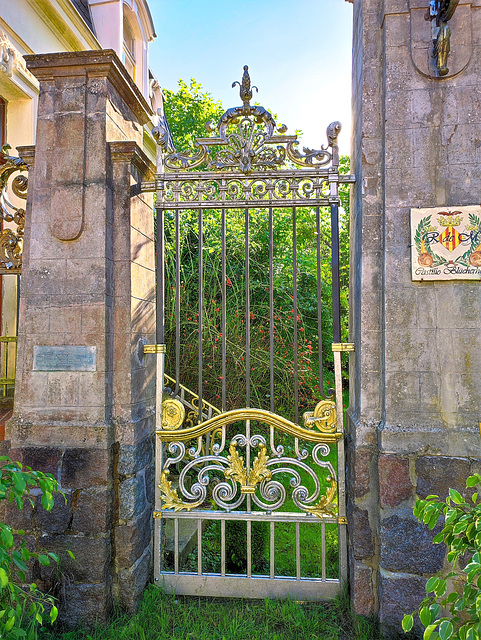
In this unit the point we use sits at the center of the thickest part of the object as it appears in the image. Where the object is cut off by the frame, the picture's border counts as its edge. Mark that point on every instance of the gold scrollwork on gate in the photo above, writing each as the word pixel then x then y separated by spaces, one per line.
pixel 238 472
pixel 325 506
pixel 170 498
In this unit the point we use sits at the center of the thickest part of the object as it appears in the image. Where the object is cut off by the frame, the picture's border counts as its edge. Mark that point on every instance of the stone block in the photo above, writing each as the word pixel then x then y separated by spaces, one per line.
pixel 19 518
pixel 45 459
pixel 360 533
pixel 398 595
pixel 437 474
pixel 362 477
pixel 394 481
pixel 93 511
pixel 133 458
pixel 59 518
pixel 406 545
pixel 132 539
pixel 92 557
pixel 132 497
pixel 363 598
pixel 84 468
pixel 84 605
pixel 133 581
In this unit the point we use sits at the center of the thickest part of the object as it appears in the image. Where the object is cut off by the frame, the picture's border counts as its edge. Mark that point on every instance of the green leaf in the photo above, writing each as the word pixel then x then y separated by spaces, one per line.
pixel 9 624
pixel 44 560
pixel 53 614
pixel 425 616
pixel 429 631
pixel 3 578
pixel 7 537
pixel 446 630
pixel 71 554
pixel 455 496
pixel 18 561
pixel 431 584
pixel 472 481
pixel 407 623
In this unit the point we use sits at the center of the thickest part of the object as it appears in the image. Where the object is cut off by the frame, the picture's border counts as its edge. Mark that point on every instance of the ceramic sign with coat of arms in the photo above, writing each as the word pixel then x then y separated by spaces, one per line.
pixel 446 243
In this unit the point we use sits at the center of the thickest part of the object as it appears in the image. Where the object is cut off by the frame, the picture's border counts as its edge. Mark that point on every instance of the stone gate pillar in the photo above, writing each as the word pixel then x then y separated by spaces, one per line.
pixel 415 378
pixel 84 396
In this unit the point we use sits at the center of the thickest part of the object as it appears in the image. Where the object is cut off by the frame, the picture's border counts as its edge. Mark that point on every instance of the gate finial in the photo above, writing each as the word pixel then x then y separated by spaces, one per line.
pixel 245 87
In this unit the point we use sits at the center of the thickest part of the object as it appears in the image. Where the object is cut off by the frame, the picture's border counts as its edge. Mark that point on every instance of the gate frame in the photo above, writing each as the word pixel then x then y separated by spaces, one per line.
pixel 173 171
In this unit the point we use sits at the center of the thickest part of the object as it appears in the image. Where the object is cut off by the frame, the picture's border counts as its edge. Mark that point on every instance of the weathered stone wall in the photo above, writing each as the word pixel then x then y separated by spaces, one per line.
pixel 416 384
pixel 88 279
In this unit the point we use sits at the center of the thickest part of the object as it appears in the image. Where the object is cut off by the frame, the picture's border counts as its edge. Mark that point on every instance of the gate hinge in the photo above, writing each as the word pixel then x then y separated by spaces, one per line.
pixel 343 346
pixel 154 348
pixel 342 520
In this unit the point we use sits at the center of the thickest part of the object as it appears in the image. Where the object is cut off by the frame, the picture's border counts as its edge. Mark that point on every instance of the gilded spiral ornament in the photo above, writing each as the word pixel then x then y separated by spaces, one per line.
pixel 173 414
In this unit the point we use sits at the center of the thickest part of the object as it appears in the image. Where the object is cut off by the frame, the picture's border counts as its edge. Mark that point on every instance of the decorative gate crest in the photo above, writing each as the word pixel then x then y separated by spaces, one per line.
pixel 251 146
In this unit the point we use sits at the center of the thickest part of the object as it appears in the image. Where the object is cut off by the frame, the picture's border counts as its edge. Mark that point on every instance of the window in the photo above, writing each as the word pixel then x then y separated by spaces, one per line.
pixel 128 57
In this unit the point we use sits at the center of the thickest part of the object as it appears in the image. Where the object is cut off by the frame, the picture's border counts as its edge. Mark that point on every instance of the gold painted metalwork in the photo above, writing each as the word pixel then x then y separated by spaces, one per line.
pixel 193 398
pixel 323 417
pixel 238 472
pixel 173 413
pixel 154 348
pixel 343 346
pixel 236 415
pixel 342 520
pixel 325 506
pixel 11 240
pixel 170 499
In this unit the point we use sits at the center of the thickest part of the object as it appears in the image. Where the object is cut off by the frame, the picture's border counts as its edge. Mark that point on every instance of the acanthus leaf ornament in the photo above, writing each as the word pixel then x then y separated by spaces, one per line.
pixel 238 472
pixel 170 498
pixel 325 506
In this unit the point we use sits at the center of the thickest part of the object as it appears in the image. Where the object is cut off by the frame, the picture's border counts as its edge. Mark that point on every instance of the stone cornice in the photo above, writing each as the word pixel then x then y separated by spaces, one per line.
pixel 103 63
pixel 129 151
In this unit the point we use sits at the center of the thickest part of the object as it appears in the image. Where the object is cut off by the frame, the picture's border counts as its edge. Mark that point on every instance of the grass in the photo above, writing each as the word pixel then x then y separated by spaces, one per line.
pixel 167 617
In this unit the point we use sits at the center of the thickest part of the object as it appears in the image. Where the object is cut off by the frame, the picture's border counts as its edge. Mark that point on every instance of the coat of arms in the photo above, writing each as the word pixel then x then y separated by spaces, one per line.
pixel 446 243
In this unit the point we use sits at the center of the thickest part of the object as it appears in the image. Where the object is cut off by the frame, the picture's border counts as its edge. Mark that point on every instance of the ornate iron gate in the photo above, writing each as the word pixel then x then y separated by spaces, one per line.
pixel 249 498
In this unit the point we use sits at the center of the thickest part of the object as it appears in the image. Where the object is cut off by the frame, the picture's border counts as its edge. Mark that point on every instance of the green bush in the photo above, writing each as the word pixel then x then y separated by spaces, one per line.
pixel 23 607
pixel 452 607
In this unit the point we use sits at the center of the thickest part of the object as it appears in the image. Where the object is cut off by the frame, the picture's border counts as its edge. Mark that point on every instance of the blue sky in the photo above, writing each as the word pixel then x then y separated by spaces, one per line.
pixel 298 52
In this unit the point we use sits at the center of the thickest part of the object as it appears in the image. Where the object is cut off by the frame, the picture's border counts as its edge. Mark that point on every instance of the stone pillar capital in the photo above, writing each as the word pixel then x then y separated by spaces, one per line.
pixel 92 64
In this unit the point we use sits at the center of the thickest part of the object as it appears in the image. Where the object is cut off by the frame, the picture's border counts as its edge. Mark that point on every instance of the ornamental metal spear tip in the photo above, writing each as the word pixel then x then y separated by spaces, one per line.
pixel 245 88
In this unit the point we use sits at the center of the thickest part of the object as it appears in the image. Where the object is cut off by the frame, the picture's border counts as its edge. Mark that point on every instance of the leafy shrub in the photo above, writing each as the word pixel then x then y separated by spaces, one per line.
pixel 23 607
pixel 452 607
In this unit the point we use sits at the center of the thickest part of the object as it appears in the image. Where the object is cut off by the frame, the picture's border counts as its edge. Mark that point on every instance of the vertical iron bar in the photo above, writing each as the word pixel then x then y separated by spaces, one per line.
pixel 201 306
pixel 319 298
pixel 176 546
pixel 298 552
pixel 160 295
pixel 336 287
pixel 177 301
pixel 248 313
pixel 323 550
pixel 224 313
pixel 222 547
pixel 271 554
pixel 249 549
pixel 199 547
pixel 271 305
pixel 294 303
